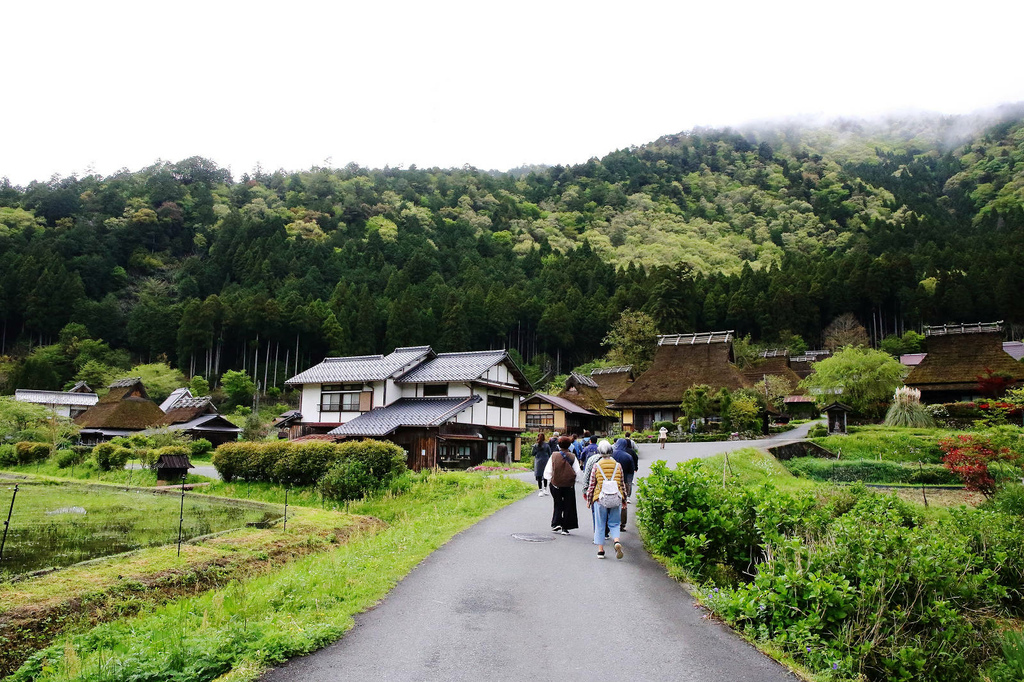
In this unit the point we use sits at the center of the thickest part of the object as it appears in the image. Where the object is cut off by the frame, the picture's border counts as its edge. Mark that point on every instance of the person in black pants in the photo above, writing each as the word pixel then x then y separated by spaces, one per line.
pixel 562 471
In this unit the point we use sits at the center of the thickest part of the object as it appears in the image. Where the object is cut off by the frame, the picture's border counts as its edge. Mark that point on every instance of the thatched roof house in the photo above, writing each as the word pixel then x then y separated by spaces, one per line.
pixel 584 392
pixel 773 363
pixel 681 361
pixel 958 355
pixel 612 381
pixel 121 412
pixel 803 365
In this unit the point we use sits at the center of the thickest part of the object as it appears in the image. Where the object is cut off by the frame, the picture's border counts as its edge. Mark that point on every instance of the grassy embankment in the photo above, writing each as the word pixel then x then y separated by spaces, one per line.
pixel 268 613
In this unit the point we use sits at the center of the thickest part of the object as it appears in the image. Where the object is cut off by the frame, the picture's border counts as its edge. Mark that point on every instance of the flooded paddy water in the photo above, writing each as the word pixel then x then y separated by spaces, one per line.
pixel 56 525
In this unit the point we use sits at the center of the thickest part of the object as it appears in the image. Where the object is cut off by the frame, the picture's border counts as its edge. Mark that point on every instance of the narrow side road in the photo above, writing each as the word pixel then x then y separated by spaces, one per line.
pixel 489 606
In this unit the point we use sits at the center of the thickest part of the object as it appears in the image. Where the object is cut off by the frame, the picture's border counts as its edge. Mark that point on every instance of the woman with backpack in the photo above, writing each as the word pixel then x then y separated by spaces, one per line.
pixel 606 496
pixel 561 473
pixel 541 455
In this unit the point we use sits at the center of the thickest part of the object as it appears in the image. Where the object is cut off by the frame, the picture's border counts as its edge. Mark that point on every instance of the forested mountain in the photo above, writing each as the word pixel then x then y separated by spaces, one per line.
pixel 769 231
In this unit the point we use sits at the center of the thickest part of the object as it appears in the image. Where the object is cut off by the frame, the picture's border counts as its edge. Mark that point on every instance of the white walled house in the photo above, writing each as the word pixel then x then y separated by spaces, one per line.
pixel 67 404
pixel 445 409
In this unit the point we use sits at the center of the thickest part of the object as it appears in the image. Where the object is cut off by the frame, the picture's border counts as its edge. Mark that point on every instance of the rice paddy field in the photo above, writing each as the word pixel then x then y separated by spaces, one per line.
pixel 59 524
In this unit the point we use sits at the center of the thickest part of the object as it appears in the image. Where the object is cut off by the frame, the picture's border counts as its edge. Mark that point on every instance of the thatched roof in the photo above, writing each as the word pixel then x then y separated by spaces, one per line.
pixel 955 360
pixel 127 406
pixel 612 381
pixel 682 361
pixel 583 391
pixel 774 365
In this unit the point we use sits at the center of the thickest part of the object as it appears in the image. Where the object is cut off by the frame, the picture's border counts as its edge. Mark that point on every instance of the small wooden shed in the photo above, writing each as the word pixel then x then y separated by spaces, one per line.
pixel 837 417
pixel 172 468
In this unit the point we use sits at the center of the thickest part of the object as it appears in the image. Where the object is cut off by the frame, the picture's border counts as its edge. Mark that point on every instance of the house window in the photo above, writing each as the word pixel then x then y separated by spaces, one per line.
pixel 540 421
pixel 340 397
pixel 499 401
pixel 435 390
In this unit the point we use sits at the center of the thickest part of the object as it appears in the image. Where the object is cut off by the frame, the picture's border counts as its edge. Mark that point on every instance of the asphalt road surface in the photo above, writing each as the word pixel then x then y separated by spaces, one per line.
pixel 489 606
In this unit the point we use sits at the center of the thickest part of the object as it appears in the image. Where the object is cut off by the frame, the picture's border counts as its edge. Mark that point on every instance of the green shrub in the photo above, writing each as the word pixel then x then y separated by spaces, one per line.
pixel 8 456
pixel 69 458
pixel 200 447
pixel 29 452
pixel 305 463
pixel 365 467
pixel 229 460
pixel 854 585
pixel 671 426
pixel 817 431
pixel 869 471
pixel 110 456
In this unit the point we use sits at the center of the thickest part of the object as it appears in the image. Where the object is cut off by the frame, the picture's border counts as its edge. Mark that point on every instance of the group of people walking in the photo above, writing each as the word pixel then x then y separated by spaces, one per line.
pixel 606 472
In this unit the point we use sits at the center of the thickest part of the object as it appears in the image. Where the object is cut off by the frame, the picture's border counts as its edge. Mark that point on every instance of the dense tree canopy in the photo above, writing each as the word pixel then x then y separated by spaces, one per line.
pixel 771 233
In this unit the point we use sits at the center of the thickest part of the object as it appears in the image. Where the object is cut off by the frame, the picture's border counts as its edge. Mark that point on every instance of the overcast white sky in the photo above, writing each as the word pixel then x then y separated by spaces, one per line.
pixel 104 85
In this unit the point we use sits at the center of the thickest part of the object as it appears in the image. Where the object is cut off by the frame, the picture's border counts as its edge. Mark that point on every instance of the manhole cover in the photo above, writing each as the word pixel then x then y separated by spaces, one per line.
pixel 532 537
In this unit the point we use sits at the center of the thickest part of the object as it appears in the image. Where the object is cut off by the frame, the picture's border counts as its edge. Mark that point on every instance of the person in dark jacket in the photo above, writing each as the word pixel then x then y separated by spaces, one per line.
pixel 562 471
pixel 541 455
pixel 621 454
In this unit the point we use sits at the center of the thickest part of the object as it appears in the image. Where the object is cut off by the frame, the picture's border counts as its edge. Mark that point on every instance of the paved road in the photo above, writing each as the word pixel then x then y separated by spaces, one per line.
pixel 487 606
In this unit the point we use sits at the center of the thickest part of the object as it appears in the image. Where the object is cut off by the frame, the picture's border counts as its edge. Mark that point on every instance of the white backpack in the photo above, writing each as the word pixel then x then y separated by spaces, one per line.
pixel 609 497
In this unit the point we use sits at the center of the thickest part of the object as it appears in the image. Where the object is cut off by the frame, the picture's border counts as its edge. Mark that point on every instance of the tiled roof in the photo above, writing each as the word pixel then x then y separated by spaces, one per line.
pixel 912 359
pixel 361 368
pixel 1015 349
pixel 126 383
pixel 454 367
pixel 55 397
pixel 790 399
pixel 583 380
pixel 562 404
pixel 173 398
pixel 694 339
pixel 213 423
pixel 405 412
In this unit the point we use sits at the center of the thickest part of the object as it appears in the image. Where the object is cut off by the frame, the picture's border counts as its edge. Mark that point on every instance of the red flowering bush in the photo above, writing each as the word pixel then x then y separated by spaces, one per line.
pixel 969 457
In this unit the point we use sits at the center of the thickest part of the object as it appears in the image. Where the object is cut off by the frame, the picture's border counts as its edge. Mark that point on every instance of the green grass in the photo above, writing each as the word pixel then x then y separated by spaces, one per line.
pixel 890 444
pixel 309 603
pixel 43 532
pixel 751 466
pixel 88 471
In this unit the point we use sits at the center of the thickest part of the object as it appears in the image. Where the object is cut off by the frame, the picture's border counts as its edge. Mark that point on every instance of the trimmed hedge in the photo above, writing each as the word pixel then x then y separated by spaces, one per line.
pixel 29 453
pixel 869 471
pixel 307 463
pixel 70 458
pixel 200 447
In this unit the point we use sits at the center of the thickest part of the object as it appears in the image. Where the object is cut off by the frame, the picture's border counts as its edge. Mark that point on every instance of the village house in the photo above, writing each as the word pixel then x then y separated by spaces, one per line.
pixel 67 404
pixel 803 364
pixel 680 361
pixel 124 410
pixel 543 413
pixel 197 418
pixel 959 356
pixel 445 409
pixel 583 391
pixel 612 381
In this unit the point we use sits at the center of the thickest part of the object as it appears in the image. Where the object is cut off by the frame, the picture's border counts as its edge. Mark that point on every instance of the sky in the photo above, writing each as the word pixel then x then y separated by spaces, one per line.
pixel 100 86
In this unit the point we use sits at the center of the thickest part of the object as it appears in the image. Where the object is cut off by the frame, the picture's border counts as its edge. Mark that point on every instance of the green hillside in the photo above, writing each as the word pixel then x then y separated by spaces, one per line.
pixel 771 231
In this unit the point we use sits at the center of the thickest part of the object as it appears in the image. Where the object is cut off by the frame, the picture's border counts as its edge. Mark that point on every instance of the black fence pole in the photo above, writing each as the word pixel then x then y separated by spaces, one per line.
pixel 181 512
pixel 131 468
pixel 286 509
pixel 7 523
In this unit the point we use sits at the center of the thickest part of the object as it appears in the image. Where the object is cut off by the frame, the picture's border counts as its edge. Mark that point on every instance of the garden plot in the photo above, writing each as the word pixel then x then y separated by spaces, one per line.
pixel 56 525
